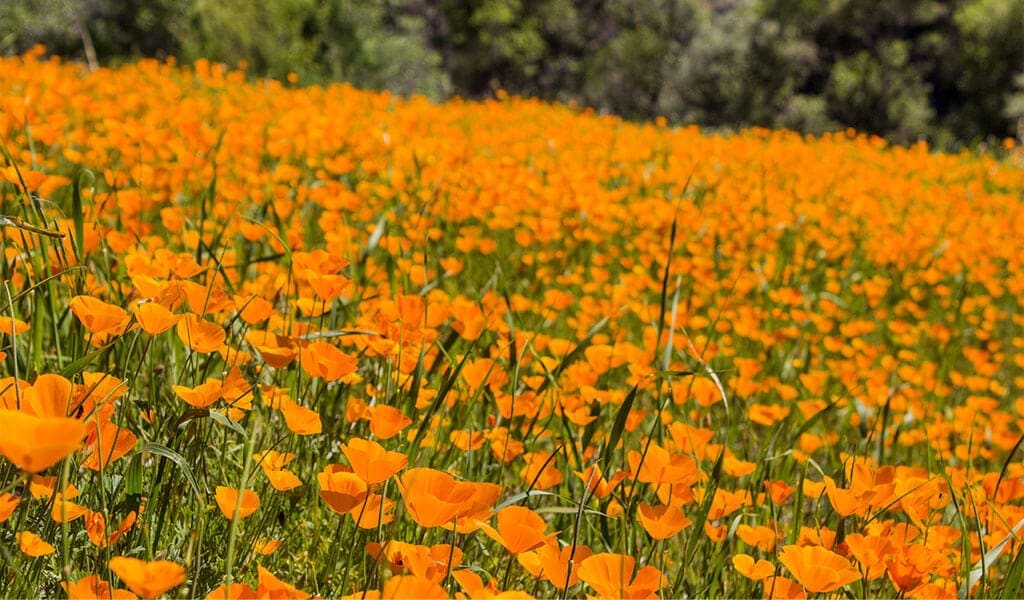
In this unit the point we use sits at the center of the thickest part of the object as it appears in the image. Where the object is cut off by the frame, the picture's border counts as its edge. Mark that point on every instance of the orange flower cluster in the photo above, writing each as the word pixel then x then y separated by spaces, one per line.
pixel 528 350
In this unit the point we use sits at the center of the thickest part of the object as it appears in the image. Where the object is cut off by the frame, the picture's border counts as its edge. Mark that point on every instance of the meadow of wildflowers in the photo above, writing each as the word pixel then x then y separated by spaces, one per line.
pixel 266 340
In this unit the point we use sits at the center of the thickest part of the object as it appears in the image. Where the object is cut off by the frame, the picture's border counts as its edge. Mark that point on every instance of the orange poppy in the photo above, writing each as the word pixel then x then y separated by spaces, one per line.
pixel 871 552
pixel 49 396
pixel 779 491
pixel 154 318
pixel 541 470
pixel 282 480
pixel 35 443
pixel 760 537
pixel 662 522
pixel 371 462
pixel 519 529
pixel 148 579
pixel 96 528
pixel 598 485
pixel 253 309
pixel 107 443
pixel 745 565
pixel 612 576
pixel 413 559
pixel 299 419
pixel 101 319
pixel 340 489
pixel 31 544
pixel 229 500
pixel 200 335
pixel 551 562
pixel 661 467
pixel 269 586
pixel 782 588
pixel 200 396
pixel 8 502
pixel 818 569
pixel 235 591
pixel 434 497
pixel 372 514
pixel 412 587
pixel 12 327
pixel 91 587
pixel 64 510
pixel 479 508
pixel 266 547
pixel 324 360
pixel 386 421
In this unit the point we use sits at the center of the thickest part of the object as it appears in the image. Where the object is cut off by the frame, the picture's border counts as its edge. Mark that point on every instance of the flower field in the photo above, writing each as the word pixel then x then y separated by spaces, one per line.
pixel 265 340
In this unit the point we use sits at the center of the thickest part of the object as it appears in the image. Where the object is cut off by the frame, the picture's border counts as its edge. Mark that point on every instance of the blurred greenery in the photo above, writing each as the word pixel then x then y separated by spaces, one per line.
pixel 949 72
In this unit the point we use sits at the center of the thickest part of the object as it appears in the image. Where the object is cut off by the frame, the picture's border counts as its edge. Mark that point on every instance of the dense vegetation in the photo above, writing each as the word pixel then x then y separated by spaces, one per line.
pixel 945 71
pixel 261 339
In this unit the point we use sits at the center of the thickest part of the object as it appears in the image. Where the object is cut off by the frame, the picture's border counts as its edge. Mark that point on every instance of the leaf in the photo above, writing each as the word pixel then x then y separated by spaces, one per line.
pixel 981 567
pixel 165 452
pixel 223 419
pixel 620 424
pixel 517 498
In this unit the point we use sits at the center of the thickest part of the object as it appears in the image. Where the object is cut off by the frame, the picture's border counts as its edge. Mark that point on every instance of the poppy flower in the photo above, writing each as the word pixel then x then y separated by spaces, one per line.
pixel 148 579
pixel 662 522
pixel 154 318
pixel 35 443
pixel 8 502
pixel 371 462
pixel 745 565
pixel 659 466
pixel 100 318
pixel 235 591
pixel 848 502
pixel 200 396
pixel 412 587
pixel 386 421
pixel 551 562
pixel 91 587
pixel 12 327
pixel 299 419
pixel 200 335
pixel 541 470
pixel 278 354
pixel 478 509
pixel 870 552
pixel 412 559
pixel 266 547
pixel 371 514
pixel 31 544
pixel 64 510
pixel 760 537
pixel 434 497
pixel 107 443
pixel 50 395
pixel 779 491
pixel 519 529
pixel 269 586
pixel 228 501
pixel 96 528
pixel 598 485
pixel 818 569
pixel 343 491
pixel 782 588
pixel 611 575
pixel 324 360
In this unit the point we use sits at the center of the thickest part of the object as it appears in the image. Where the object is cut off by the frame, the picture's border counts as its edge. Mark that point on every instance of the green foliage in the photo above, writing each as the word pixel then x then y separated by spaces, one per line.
pixel 371 43
pixel 880 93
